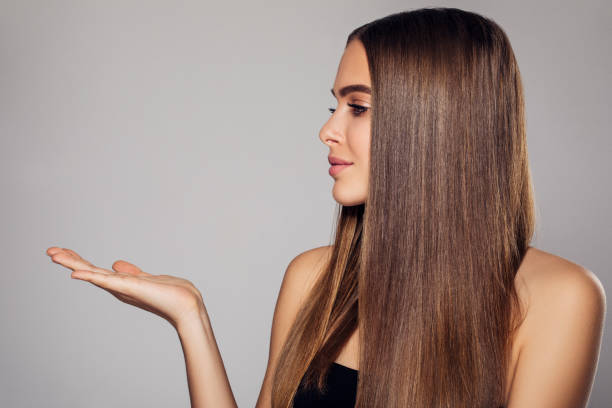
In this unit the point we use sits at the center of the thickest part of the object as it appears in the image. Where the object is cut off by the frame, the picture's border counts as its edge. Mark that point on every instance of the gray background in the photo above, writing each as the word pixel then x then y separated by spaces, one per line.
pixel 183 137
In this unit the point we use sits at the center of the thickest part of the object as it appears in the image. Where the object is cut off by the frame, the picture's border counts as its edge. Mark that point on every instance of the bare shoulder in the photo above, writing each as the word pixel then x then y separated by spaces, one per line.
pixel 543 268
pixel 561 334
pixel 300 275
pixel 552 286
pixel 304 270
pixel 549 284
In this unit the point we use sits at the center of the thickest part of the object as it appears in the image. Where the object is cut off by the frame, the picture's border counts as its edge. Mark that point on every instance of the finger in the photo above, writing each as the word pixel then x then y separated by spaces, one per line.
pixel 129 268
pixel 53 250
pixel 70 261
pixel 71 252
pixel 123 284
pixel 78 257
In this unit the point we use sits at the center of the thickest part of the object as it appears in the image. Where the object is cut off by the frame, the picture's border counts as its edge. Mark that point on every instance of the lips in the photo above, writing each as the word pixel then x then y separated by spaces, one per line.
pixel 337 168
pixel 336 160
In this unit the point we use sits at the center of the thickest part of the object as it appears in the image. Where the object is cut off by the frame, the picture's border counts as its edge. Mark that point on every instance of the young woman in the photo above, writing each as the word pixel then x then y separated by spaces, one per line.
pixel 430 295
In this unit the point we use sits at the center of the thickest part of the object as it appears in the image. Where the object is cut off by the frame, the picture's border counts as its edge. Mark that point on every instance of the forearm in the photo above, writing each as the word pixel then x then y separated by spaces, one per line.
pixel 208 384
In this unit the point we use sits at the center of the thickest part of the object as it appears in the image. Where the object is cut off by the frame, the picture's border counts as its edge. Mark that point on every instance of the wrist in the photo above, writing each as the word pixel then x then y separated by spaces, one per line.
pixel 196 320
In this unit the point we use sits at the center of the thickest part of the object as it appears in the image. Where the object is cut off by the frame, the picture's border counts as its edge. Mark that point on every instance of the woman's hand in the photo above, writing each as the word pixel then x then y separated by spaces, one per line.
pixel 177 301
pixel 172 298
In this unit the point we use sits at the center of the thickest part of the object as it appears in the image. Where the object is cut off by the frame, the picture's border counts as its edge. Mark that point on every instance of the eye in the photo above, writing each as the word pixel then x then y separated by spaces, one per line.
pixel 357 109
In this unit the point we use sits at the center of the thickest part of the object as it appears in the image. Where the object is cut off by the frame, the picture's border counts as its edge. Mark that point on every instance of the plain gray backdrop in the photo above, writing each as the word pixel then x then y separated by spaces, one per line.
pixel 182 136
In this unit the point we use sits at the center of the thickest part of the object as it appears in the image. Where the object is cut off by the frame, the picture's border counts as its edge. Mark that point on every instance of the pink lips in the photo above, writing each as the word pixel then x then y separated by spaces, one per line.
pixel 337 165
pixel 337 168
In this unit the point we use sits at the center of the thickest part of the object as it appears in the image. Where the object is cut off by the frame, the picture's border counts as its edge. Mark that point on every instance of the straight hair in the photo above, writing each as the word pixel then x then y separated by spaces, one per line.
pixel 425 268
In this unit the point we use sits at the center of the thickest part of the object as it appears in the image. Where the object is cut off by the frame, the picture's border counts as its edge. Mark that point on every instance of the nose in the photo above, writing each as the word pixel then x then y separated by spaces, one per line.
pixel 329 133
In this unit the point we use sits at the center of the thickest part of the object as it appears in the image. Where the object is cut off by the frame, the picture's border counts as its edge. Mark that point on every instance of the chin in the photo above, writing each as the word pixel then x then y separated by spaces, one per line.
pixel 348 197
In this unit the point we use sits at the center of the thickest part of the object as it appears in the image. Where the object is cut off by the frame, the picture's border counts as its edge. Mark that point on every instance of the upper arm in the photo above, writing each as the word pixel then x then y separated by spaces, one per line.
pixel 300 275
pixel 558 360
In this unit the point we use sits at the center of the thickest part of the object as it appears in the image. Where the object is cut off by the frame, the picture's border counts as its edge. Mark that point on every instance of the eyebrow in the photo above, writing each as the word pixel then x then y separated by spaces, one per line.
pixel 352 88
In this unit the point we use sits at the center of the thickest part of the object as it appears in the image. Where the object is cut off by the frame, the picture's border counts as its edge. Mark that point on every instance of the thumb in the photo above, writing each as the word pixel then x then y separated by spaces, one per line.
pixel 126 267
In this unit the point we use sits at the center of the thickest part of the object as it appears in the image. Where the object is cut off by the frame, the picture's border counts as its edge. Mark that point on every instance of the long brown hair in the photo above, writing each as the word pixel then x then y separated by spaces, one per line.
pixel 425 267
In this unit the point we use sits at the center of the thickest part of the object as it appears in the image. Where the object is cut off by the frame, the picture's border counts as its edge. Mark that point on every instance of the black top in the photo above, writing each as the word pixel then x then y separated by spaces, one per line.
pixel 341 390
pixel 341 385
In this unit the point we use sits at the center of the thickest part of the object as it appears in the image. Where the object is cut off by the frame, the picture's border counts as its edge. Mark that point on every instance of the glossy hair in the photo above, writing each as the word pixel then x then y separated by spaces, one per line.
pixel 425 268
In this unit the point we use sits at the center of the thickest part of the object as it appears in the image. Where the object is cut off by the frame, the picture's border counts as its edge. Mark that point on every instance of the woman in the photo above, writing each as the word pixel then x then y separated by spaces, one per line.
pixel 431 269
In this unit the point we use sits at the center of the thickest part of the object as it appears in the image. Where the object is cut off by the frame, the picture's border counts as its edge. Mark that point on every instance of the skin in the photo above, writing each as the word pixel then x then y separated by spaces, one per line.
pixel 347 132
pixel 555 351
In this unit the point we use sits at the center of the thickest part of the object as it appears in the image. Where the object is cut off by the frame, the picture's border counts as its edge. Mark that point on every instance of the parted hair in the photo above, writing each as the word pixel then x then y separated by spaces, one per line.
pixel 425 267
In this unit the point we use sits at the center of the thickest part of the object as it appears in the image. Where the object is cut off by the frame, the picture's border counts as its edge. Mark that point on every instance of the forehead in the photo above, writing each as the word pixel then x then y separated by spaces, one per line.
pixel 353 68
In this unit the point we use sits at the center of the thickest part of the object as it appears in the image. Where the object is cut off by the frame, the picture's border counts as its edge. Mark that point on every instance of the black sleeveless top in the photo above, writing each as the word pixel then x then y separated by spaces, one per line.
pixel 341 385
pixel 341 390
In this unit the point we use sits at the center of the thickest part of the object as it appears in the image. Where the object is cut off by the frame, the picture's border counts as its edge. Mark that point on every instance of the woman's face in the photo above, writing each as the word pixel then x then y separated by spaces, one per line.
pixel 347 132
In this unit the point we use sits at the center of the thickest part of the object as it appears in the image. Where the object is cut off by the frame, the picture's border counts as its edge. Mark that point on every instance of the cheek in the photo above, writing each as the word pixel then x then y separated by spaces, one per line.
pixel 360 141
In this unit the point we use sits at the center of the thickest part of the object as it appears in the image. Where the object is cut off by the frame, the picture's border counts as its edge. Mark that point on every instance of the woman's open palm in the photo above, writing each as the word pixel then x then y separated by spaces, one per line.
pixel 174 299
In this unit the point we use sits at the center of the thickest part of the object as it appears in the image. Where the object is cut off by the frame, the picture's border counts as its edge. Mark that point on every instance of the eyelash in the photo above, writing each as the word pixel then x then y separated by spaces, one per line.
pixel 360 109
